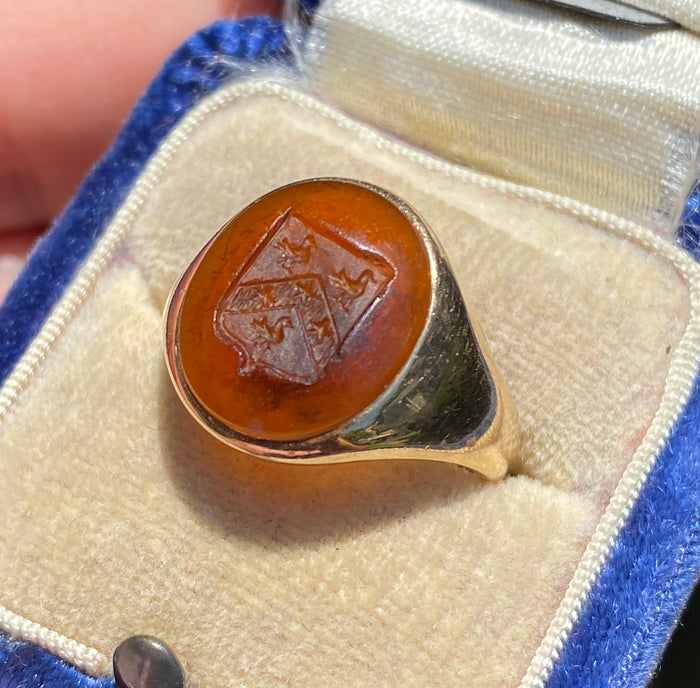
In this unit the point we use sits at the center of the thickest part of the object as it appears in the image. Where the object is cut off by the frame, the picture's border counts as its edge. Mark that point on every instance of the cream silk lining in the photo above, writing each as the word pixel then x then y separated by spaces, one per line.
pixel 599 112
pixel 121 516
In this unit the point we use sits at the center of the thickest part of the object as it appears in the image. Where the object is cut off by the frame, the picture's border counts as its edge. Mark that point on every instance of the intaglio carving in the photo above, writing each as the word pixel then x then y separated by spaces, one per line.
pixel 298 300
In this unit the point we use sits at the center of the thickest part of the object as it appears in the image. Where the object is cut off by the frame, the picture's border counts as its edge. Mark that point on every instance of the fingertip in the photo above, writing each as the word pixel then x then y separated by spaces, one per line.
pixel 73 83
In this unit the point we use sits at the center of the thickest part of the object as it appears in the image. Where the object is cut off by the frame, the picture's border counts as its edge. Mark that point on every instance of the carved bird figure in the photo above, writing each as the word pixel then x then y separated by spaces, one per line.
pixel 320 329
pixel 295 253
pixel 350 288
pixel 271 334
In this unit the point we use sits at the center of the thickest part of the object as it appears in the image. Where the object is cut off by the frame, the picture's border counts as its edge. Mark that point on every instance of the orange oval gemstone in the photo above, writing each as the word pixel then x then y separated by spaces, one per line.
pixel 302 310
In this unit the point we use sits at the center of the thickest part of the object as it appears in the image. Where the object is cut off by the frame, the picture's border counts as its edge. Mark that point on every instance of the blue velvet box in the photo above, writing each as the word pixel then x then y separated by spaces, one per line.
pixel 635 597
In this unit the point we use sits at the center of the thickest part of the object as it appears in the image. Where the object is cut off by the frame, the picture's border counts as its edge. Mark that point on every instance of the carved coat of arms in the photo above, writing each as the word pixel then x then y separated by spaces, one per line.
pixel 297 300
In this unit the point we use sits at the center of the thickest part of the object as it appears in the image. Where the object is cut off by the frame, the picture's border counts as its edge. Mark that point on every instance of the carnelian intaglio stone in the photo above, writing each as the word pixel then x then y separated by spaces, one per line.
pixel 302 310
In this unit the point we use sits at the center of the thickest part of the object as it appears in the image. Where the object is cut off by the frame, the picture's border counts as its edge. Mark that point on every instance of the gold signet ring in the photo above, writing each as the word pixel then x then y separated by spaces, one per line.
pixel 322 324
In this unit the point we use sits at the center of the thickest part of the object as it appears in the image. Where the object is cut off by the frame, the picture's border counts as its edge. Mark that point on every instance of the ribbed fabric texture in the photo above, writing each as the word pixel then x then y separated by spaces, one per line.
pixel 207 60
pixel 597 111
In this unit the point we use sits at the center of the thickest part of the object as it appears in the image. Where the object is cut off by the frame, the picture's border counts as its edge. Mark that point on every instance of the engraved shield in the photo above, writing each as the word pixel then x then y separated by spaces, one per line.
pixel 298 300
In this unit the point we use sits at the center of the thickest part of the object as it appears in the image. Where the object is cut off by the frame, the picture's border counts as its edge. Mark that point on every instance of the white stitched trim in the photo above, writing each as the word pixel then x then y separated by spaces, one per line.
pixel 72 651
pixel 679 382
